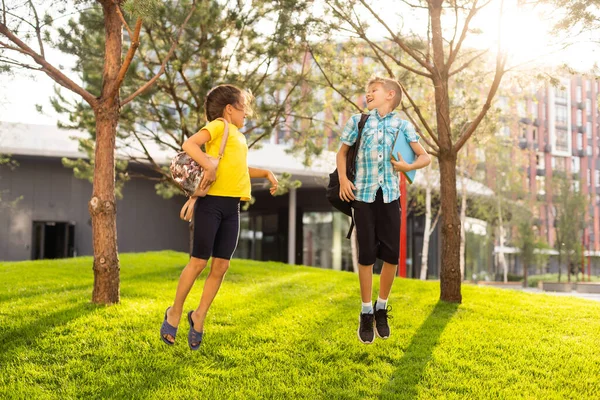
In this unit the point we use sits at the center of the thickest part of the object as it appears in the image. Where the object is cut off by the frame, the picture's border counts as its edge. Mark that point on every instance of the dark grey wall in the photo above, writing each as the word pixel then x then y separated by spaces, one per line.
pixel 50 192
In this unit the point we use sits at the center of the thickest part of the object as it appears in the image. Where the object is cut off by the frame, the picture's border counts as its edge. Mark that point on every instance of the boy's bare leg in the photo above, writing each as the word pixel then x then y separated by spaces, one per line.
pixel 188 276
pixel 365 276
pixel 386 279
pixel 218 268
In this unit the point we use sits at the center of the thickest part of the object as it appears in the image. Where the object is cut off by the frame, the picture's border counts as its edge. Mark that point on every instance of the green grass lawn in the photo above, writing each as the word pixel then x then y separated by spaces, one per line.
pixel 282 332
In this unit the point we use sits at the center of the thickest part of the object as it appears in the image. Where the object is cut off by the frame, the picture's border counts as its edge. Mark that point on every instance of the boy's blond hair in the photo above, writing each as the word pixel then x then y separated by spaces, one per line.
pixel 388 84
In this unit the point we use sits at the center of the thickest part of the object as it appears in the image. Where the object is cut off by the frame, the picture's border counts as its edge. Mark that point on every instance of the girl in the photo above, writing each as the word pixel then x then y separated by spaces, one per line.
pixel 216 216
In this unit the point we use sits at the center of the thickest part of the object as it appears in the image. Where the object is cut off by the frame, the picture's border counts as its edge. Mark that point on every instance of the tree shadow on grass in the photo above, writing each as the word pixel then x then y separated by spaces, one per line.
pixel 27 335
pixel 409 370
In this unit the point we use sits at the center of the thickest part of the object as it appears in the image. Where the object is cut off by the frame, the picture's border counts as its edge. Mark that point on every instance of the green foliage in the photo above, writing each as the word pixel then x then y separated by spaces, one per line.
pixel 145 9
pixel 223 43
pixel 265 338
pixel 570 207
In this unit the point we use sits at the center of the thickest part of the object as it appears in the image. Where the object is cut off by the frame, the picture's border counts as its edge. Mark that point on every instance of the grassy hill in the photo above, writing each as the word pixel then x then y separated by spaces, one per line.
pixel 285 332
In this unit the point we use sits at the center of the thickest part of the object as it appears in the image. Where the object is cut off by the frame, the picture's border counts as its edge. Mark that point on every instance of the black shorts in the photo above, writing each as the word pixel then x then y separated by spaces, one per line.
pixel 216 227
pixel 377 230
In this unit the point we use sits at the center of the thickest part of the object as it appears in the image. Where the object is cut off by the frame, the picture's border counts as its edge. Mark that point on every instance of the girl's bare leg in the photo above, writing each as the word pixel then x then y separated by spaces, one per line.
pixel 218 268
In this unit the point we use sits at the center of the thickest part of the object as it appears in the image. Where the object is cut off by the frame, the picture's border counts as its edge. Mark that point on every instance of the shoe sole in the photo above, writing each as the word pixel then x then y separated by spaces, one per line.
pixel 382 337
pixel 358 334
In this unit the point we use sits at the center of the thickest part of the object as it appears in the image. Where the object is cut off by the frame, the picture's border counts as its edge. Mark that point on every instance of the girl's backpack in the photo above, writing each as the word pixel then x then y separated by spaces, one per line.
pixel 188 174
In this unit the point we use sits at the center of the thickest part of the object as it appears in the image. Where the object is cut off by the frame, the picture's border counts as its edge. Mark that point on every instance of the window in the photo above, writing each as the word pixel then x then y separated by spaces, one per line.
pixel 580 141
pixel 579 117
pixel 524 132
pixel 588 130
pixel 561 94
pixel 561 114
pixel 539 161
pixel 588 106
pixel 503 103
pixel 589 150
pixel 589 177
pixel 597 178
pixel 575 164
pixel 521 109
pixel 578 94
pixel 588 86
pixel 562 140
pixel 534 134
pixel 575 186
pixel 504 131
pixel 533 109
pixel 540 182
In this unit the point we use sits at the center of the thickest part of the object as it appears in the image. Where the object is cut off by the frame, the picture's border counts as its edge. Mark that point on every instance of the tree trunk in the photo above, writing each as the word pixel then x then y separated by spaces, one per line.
pixel 102 208
pixel 102 205
pixel 450 271
pixel 426 233
pixel 463 218
pixel 501 258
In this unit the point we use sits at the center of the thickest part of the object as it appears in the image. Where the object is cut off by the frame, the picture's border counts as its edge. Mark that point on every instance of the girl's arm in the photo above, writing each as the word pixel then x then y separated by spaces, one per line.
pixel 423 159
pixel 264 173
pixel 192 147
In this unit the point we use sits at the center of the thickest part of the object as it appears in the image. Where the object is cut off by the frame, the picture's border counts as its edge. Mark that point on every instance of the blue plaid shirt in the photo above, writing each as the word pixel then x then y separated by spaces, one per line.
pixel 374 169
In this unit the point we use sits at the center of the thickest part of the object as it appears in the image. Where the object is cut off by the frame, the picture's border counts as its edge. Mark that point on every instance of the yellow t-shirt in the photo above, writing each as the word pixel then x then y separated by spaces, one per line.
pixel 233 178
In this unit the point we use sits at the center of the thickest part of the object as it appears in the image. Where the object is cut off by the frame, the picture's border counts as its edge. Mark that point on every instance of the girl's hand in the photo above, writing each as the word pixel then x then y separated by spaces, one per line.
pixel 274 183
pixel 400 165
pixel 209 176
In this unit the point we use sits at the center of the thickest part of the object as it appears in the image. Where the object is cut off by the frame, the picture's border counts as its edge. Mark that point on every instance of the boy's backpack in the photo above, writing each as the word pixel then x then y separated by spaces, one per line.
pixel 333 188
pixel 188 174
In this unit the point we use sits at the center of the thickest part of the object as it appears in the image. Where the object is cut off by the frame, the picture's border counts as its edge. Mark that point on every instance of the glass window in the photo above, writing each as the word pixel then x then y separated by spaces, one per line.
pixel 534 134
pixel 540 182
pixel 575 164
pixel 562 140
pixel 580 141
pixel 588 106
pixel 561 93
pixel 597 178
pixel 578 94
pixel 575 186
pixel 521 109
pixel 588 86
pixel 539 161
pixel 579 117
pixel 561 114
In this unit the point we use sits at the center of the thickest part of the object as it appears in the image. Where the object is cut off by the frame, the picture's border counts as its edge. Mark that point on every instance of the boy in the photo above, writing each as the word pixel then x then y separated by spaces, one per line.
pixel 374 195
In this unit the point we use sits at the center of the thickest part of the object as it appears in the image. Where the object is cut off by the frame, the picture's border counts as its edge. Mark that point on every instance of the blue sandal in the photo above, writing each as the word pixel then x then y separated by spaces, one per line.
pixel 167 329
pixel 193 335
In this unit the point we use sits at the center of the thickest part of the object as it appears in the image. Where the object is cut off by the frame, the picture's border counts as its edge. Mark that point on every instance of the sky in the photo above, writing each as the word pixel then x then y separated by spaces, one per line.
pixel 524 36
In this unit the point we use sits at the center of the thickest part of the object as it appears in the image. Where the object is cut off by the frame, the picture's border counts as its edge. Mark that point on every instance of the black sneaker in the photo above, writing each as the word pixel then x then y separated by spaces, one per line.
pixel 382 329
pixel 365 328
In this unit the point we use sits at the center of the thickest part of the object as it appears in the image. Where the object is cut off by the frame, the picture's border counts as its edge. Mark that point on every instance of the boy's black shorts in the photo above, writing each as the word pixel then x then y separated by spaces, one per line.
pixel 216 227
pixel 377 230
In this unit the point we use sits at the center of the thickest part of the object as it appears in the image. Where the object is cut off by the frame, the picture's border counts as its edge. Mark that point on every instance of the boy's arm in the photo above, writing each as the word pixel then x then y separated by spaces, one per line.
pixel 346 187
pixel 264 173
pixel 423 159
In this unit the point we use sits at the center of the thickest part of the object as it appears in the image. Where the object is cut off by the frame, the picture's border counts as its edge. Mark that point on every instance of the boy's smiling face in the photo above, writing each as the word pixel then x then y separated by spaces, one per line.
pixel 377 96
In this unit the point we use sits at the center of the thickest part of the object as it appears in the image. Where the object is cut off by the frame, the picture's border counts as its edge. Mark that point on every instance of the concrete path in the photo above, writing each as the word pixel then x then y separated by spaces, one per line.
pixel 588 296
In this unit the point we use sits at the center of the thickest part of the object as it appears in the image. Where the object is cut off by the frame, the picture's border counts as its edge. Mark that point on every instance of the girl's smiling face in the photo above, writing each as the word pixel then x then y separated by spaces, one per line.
pixel 239 110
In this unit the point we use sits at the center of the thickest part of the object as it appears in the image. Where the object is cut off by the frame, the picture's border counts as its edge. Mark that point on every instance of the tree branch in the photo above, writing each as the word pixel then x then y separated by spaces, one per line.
pixel 135 43
pixel 50 70
pixel 331 83
pixel 123 21
pixel 467 64
pixel 164 63
pixel 500 70
pixel 399 41
pixel 421 118
pixel 38 30
pixel 412 121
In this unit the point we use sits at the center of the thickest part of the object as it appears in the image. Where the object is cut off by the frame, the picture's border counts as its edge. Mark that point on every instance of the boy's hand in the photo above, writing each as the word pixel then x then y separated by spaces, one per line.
pixel 346 190
pixel 274 182
pixel 400 165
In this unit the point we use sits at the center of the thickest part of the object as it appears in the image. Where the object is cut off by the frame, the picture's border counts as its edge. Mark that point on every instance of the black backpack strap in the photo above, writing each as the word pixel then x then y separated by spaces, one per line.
pixel 361 126
pixel 349 235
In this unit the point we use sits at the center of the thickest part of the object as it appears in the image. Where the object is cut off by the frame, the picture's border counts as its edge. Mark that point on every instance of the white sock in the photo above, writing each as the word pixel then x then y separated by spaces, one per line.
pixel 380 304
pixel 367 308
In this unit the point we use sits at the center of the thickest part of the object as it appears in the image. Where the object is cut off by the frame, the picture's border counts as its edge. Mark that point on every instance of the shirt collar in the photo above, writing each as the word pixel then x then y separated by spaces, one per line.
pixel 375 113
